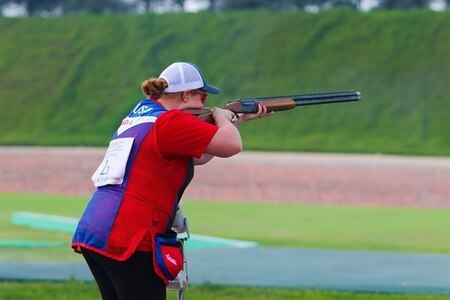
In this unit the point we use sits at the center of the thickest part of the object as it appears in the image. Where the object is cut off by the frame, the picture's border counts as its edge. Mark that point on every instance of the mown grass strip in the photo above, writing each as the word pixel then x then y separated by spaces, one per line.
pixel 269 224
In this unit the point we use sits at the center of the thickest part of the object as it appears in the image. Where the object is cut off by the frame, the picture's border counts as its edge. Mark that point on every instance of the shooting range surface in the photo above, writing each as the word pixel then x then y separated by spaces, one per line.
pixel 288 178
pixel 217 260
pixel 369 179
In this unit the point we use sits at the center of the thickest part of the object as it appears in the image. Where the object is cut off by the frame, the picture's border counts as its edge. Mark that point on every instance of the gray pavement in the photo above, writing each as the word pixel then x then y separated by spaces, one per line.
pixel 291 268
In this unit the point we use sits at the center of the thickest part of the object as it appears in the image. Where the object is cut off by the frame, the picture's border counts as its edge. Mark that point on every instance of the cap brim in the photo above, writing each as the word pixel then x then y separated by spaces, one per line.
pixel 211 89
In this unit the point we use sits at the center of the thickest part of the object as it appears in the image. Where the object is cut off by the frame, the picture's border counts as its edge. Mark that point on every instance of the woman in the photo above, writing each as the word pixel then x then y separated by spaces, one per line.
pixel 143 175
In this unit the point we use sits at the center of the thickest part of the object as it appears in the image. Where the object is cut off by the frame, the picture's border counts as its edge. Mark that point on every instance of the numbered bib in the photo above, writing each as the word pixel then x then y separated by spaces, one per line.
pixel 112 168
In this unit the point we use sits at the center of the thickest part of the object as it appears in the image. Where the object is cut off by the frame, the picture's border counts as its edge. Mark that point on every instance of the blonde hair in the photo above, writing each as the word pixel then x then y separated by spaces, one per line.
pixel 154 87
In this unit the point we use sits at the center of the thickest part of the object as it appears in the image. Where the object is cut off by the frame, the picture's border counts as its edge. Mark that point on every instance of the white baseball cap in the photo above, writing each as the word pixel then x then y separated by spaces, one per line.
pixel 183 76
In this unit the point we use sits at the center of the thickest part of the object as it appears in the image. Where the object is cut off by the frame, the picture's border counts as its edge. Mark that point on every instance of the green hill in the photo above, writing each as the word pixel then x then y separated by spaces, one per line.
pixel 70 80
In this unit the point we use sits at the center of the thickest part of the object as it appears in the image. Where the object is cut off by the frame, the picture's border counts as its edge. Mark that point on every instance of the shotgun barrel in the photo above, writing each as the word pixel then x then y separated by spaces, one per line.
pixel 279 103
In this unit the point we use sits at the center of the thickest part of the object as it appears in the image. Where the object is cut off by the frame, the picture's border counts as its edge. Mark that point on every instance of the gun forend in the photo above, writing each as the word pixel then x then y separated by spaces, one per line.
pixel 250 105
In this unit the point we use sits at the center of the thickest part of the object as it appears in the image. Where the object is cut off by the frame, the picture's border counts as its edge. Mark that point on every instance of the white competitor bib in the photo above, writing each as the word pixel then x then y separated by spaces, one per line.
pixel 112 168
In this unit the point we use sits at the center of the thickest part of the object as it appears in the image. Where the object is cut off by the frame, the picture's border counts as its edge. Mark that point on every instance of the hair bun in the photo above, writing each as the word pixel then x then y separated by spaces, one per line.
pixel 154 87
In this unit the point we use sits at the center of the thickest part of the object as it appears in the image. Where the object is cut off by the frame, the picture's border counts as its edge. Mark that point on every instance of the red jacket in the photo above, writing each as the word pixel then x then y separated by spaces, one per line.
pixel 122 217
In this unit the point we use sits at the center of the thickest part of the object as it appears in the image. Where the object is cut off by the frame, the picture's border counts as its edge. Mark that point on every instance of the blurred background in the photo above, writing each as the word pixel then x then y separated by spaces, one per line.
pixel 66 65
pixel 368 176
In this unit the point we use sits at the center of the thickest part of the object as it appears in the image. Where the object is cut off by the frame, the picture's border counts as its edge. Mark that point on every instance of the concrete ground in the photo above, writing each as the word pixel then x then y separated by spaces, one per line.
pixel 379 272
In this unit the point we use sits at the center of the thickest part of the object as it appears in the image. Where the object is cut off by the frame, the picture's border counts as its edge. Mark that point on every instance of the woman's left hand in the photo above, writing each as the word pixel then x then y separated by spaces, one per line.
pixel 261 113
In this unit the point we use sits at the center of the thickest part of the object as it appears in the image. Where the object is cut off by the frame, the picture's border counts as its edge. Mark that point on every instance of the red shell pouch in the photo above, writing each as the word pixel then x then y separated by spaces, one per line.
pixel 167 256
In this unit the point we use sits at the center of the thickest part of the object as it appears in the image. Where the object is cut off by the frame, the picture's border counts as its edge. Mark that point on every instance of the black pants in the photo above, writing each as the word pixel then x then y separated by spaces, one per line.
pixel 132 279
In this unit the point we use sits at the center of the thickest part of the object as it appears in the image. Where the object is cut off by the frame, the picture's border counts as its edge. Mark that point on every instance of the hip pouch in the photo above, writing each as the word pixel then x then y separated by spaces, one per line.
pixel 167 256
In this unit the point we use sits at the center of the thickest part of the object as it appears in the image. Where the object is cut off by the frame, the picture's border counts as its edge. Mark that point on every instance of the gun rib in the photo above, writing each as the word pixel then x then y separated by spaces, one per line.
pixel 324 98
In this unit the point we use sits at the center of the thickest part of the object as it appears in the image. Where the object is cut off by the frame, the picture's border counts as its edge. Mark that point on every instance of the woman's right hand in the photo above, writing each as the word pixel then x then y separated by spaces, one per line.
pixel 220 114
pixel 227 140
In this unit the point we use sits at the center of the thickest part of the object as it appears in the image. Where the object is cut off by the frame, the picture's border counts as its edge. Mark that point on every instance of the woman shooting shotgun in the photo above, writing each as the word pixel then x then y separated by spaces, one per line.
pixel 125 231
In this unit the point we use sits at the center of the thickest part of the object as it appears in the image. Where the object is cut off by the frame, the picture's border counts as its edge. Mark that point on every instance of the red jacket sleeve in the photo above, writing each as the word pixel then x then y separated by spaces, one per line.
pixel 181 134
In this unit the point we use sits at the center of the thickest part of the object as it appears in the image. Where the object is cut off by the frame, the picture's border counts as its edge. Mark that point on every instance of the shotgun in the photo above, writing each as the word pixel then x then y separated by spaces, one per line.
pixel 279 103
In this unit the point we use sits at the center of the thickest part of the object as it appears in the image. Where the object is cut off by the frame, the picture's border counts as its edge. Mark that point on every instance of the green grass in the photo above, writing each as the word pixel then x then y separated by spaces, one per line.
pixel 346 227
pixel 75 290
pixel 70 80
pixel 271 225
pixel 321 226
pixel 57 205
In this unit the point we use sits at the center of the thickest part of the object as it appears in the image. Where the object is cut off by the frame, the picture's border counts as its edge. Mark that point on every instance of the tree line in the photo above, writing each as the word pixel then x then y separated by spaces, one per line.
pixel 67 7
